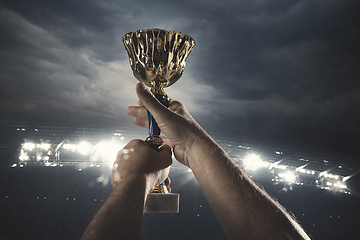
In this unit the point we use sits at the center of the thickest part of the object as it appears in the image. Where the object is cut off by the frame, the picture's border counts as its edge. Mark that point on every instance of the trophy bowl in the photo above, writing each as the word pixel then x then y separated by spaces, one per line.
pixel 158 57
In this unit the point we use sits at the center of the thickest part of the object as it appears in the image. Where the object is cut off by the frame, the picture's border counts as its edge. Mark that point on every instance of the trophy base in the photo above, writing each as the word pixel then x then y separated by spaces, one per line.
pixel 160 189
pixel 162 203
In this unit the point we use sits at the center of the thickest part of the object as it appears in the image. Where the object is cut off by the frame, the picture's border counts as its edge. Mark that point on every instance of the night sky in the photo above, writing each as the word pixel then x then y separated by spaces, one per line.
pixel 276 72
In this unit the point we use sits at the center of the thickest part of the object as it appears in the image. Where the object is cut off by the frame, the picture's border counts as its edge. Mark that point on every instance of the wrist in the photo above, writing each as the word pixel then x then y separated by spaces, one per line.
pixel 143 183
pixel 197 140
pixel 133 184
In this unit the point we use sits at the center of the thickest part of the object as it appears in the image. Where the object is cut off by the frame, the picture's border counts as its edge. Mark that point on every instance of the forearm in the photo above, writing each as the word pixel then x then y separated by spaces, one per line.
pixel 243 209
pixel 121 215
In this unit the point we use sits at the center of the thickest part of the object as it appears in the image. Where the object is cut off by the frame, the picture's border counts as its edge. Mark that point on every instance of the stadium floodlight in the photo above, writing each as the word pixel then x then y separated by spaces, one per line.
pixel 45 146
pixel 69 146
pixel 23 156
pixel 254 162
pixel 288 176
pixel 106 151
pixel 29 146
pixel 325 174
pixel 302 169
pixel 340 185
pixel 84 148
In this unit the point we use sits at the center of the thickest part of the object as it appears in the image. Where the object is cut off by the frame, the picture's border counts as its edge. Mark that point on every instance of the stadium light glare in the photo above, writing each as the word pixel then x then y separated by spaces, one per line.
pixel 45 146
pixel 254 162
pixel 29 146
pixel 84 148
pixel 340 185
pixel 23 156
pixel 69 146
pixel 288 176
pixel 348 177
pixel 107 150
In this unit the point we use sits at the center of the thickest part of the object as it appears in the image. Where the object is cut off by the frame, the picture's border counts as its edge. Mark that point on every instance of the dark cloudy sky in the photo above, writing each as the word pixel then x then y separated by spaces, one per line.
pixel 275 71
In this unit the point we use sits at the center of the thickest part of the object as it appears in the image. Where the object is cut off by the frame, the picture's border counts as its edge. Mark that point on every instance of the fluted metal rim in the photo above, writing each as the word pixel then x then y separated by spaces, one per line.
pixel 158 29
pixel 153 63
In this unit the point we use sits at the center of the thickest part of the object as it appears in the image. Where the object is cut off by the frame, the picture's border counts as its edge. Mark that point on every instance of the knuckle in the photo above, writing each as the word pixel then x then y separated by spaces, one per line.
pixel 174 104
pixel 142 112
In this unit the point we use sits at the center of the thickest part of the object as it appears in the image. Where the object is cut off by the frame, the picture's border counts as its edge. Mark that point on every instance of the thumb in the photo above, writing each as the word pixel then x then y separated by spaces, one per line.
pixel 165 153
pixel 149 101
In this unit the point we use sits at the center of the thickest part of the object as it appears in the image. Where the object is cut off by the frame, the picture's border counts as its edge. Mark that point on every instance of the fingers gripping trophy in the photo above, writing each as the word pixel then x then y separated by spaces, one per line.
pixel 158 58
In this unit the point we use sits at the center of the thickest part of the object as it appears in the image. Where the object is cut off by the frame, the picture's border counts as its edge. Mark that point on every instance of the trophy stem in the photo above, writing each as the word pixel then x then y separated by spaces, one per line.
pixel 157 88
pixel 154 140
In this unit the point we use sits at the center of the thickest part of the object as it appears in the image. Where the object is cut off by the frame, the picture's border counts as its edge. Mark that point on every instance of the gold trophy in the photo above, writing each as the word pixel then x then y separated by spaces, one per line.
pixel 158 58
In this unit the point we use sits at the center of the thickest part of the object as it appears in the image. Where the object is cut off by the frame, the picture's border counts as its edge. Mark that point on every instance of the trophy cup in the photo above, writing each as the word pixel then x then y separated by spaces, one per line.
pixel 158 58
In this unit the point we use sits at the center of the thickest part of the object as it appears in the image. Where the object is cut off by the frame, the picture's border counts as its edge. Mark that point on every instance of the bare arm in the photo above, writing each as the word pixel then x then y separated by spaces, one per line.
pixel 244 210
pixel 121 215
pixel 137 169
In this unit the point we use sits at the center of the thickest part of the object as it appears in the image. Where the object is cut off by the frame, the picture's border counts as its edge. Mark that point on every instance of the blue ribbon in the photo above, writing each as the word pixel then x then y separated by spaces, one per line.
pixel 153 127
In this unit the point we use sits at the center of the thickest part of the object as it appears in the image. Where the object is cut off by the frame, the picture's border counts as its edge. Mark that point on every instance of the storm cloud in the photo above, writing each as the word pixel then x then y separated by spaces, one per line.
pixel 270 71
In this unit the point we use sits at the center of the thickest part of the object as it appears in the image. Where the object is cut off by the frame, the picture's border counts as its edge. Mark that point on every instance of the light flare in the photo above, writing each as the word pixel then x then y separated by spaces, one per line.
pixel 106 151
pixel 288 176
pixel 29 146
pixel 254 162
pixel 84 148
